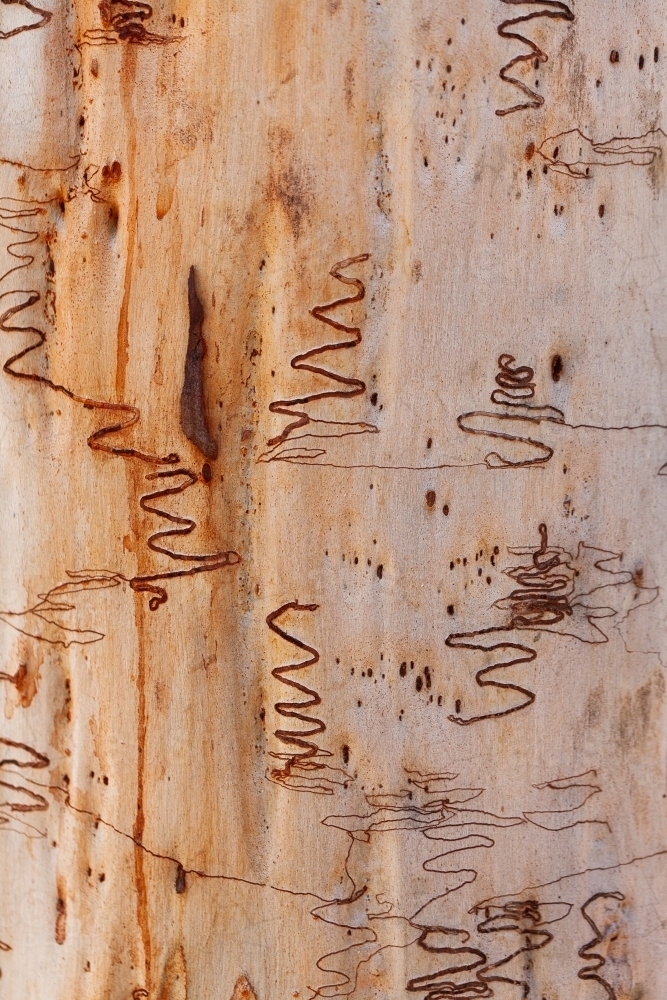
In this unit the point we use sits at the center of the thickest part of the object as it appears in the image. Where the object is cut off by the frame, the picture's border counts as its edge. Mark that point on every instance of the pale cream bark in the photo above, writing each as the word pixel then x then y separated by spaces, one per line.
pixel 334 453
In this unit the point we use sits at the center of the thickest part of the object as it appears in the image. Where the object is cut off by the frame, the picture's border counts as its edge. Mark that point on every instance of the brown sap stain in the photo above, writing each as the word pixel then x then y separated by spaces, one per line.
pixel 140 819
pixel 61 912
pixel 175 982
pixel 243 990
pixel 27 675
pixel 165 194
pixel 638 711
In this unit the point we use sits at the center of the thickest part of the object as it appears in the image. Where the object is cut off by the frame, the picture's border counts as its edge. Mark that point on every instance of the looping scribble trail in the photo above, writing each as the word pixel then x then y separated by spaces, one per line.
pixel 125 21
pixel 29 297
pixel 210 561
pixel 526 654
pixel 554 594
pixel 525 919
pixel 540 599
pixel 355 386
pixel 597 961
pixel 515 386
pixel 556 10
pixel 573 154
pixel 303 771
pixel 43 15
pixel 436 806
pixel 14 216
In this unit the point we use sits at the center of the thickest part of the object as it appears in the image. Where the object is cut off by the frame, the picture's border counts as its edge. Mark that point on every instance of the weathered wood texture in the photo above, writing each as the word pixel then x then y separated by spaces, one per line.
pixel 334 455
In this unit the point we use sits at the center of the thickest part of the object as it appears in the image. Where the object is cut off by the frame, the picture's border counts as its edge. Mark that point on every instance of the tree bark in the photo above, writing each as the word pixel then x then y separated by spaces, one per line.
pixel 334 445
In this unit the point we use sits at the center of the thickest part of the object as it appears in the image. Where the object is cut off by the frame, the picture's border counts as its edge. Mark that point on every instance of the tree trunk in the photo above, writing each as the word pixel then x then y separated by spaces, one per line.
pixel 334 445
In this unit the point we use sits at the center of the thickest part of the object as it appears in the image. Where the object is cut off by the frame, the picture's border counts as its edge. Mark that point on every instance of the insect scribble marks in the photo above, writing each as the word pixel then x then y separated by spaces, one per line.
pixel 516 386
pixel 573 153
pixel 603 937
pixel 193 408
pixel 23 219
pixel 456 820
pixel 44 16
pixel 353 386
pixel 44 620
pixel 16 800
pixel 303 770
pixel 126 18
pixel 554 9
pixel 554 594
pixel 125 21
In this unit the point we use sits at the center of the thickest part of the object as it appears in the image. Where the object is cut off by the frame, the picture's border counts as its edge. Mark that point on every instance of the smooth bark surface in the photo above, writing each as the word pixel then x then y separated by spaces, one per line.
pixel 333 433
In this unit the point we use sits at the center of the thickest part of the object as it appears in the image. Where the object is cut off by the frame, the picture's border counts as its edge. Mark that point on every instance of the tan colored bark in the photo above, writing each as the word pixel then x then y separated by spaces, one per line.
pixel 334 446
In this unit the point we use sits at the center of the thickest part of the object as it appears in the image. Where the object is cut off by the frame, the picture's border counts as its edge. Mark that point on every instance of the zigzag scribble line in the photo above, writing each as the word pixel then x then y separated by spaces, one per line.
pixel 552 596
pixel 355 386
pixel 304 770
pixel 595 959
pixel 557 10
pixel 21 220
pixel 17 800
pixel 442 811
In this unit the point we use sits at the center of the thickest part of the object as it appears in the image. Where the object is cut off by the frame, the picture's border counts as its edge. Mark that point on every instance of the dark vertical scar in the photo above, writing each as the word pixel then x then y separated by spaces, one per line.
pixel 61 915
pixel 180 884
pixel 193 413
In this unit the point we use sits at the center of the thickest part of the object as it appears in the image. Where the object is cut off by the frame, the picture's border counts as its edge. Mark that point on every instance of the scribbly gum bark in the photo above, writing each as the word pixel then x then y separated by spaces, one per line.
pixel 334 444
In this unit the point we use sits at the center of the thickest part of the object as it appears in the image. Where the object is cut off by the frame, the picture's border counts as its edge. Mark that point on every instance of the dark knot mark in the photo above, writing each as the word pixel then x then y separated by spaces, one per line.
pixel 193 410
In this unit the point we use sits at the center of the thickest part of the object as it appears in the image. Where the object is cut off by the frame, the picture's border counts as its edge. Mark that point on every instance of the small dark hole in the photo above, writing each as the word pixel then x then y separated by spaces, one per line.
pixel 556 367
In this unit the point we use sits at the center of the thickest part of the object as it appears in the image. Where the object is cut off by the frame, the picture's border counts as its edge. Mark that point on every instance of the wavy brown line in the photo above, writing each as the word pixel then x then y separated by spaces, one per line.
pixel 130 414
pixel 294 710
pixel 356 387
pixel 559 11
pixel 541 601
